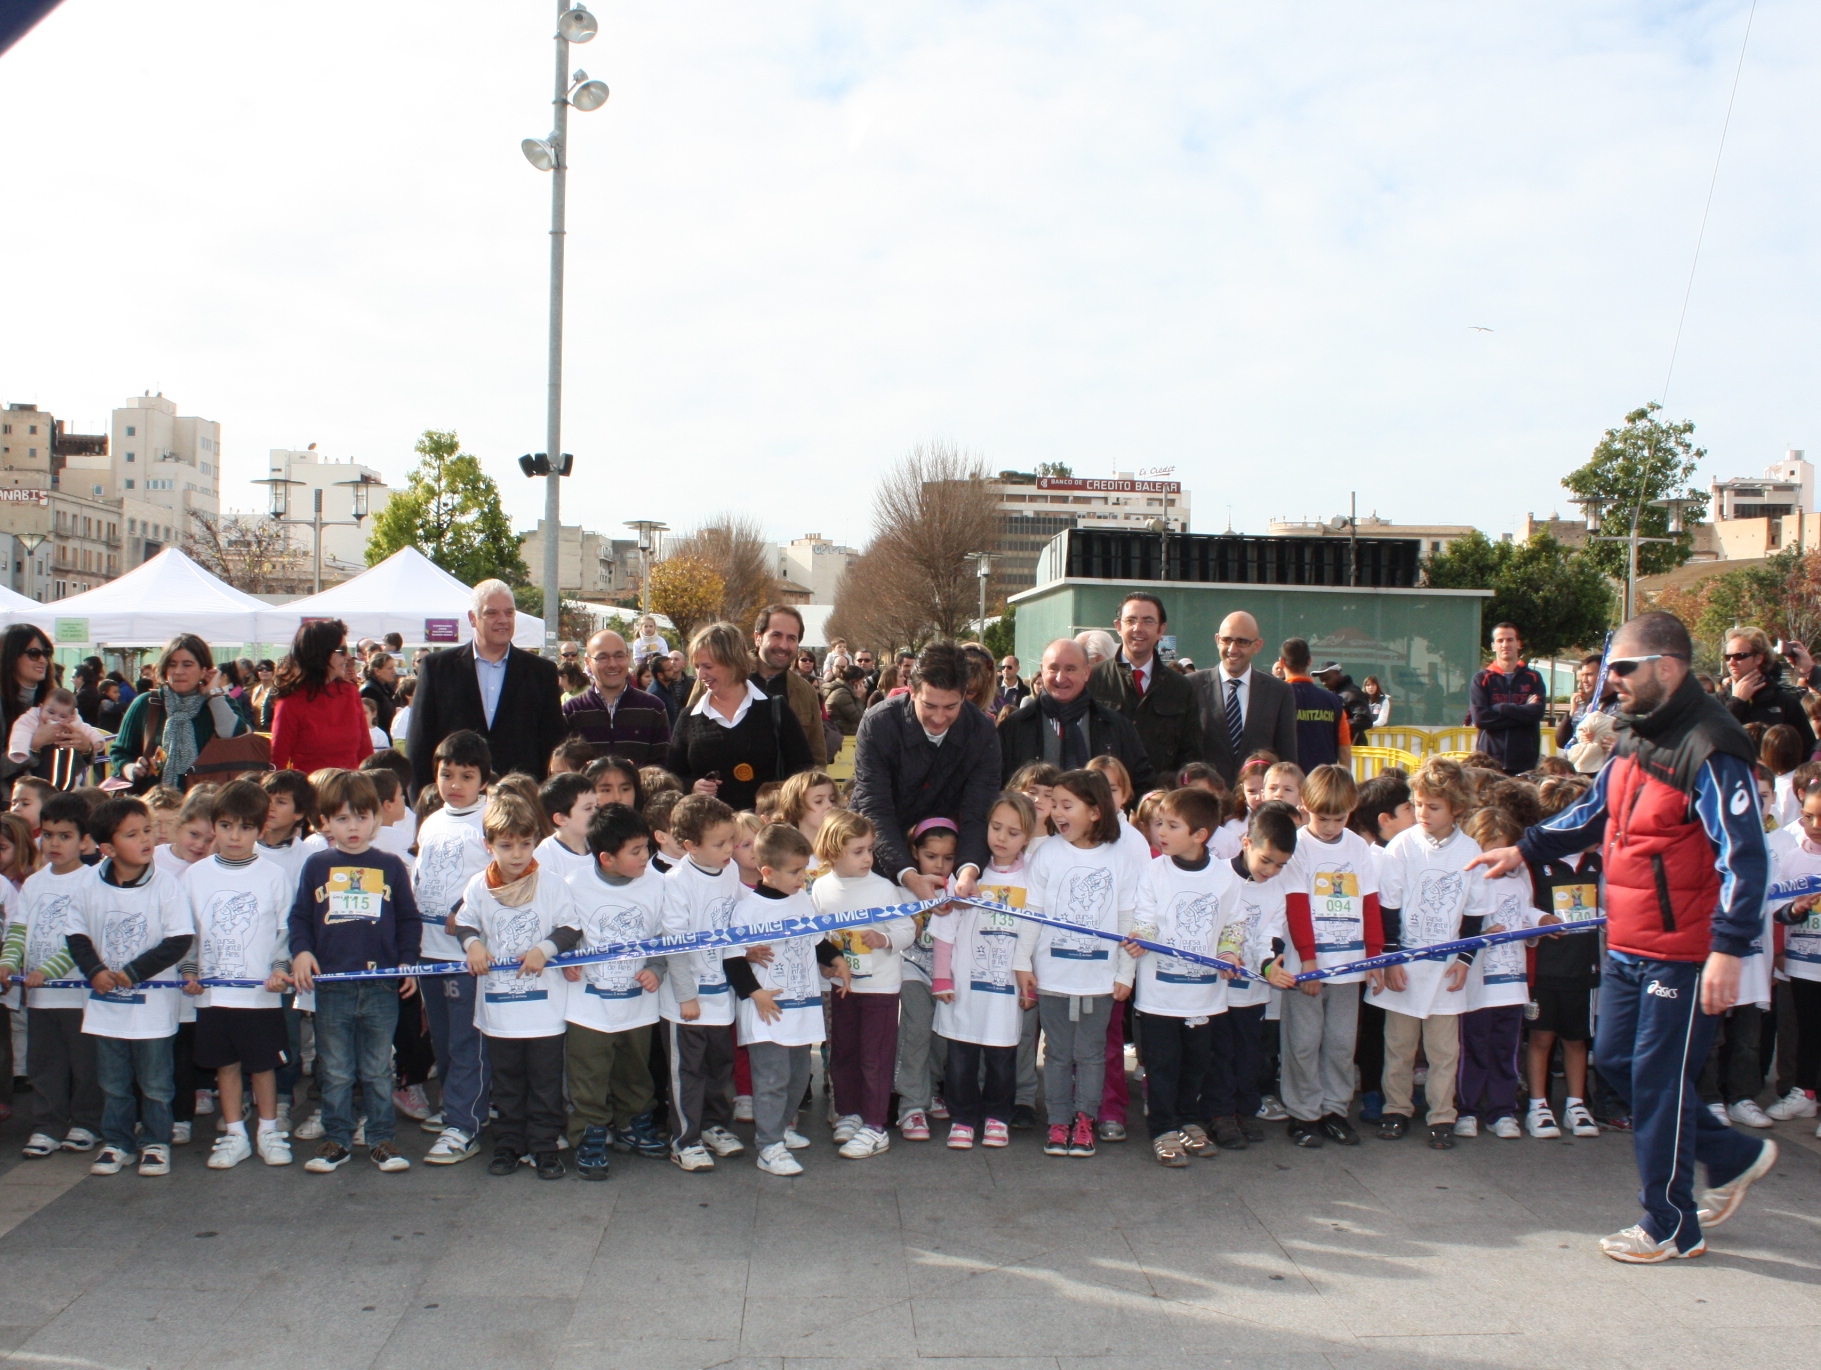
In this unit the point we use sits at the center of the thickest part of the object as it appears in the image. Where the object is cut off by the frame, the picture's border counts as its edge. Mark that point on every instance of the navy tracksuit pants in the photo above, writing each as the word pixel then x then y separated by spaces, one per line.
pixel 1651 1044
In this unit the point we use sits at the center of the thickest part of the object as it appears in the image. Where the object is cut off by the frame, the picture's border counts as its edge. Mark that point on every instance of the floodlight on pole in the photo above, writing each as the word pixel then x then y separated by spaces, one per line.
pixel 577 25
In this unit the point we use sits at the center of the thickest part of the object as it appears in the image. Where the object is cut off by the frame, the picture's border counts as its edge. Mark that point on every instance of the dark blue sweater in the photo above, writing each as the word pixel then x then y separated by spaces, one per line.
pixel 349 919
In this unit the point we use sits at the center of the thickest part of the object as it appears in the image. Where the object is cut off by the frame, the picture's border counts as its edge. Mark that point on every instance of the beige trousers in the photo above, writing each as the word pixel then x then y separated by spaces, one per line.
pixel 1441 1039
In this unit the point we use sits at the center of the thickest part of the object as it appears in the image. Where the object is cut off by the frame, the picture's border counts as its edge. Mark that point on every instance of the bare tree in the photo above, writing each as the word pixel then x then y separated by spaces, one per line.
pixel 914 582
pixel 249 552
pixel 735 546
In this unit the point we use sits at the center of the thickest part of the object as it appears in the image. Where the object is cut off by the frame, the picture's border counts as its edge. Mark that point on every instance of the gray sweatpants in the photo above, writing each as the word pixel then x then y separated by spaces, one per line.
pixel 1317 1050
pixel 1027 1059
pixel 66 1092
pixel 1074 1054
pixel 779 1077
pixel 920 1060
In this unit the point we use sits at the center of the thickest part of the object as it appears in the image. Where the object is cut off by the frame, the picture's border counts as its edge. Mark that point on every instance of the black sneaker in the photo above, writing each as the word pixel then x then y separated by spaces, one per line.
pixel 1304 1134
pixel 1023 1116
pixel 1338 1129
pixel 1252 1127
pixel 550 1165
pixel 1228 1135
pixel 1441 1136
pixel 1392 1126
pixel 504 1162
pixel 591 1160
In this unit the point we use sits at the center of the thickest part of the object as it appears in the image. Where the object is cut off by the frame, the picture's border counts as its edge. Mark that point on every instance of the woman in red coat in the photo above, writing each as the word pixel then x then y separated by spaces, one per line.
pixel 319 720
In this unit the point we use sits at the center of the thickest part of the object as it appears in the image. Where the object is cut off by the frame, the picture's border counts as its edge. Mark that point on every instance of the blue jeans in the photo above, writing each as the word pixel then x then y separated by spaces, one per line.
pixel 119 1062
pixel 1651 1044
pixel 464 1069
pixel 355 1021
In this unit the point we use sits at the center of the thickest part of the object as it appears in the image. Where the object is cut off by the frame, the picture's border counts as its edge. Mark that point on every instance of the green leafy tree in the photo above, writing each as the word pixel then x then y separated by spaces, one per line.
pixel 1559 598
pixel 1001 637
pixel 450 511
pixel 1059 469
pixel 1643 461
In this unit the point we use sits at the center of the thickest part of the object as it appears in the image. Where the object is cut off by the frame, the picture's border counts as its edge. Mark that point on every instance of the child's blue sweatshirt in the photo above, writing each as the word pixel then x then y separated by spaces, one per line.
pixel 355 912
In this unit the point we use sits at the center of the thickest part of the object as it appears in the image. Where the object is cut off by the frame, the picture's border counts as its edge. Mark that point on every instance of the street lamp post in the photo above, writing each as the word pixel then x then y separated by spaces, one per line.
pixel 573 25
pixel 983 567
pixel 281 507
pixel 31 542
pixel 647 529
pixel 1593 507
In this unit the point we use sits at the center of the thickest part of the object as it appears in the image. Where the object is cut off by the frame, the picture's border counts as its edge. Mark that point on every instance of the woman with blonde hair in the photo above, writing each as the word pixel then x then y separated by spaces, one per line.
pixel 737 737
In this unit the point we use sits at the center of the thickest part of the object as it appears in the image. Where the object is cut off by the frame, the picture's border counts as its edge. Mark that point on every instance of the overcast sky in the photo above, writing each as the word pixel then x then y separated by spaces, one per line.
pixel 1249 241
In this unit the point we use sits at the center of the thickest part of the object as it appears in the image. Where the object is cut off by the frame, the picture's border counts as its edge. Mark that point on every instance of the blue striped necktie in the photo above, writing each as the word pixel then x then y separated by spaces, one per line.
pixel 1236 725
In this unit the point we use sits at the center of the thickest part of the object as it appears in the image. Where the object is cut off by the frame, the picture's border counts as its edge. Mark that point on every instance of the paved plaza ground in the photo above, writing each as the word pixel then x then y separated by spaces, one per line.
pixel 1386 1254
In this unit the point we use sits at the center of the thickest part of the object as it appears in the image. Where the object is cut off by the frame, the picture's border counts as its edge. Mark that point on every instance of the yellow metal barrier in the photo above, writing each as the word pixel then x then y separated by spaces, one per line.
pixel 1371 761
pixel 841 764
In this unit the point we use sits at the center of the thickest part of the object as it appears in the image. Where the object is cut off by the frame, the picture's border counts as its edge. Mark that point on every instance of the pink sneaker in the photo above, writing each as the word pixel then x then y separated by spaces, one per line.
pixel 996 1134
pixel 960 1137
pixel 914 1126
pixel 937 1109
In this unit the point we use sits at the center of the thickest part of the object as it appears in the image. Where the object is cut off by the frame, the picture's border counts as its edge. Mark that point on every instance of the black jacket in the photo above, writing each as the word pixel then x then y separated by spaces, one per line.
pixel 1358 709
pixel 902 778
pixel 1021 739
pixel 1773 704
pixel 1168 717
pixel 527 725
pixel 766 745
pixel 384 701
pixel 1270 721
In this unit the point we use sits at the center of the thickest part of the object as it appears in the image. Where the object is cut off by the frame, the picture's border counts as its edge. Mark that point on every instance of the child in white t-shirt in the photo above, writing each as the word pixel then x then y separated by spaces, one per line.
pixel 863 1023
pixel 921 1055
pixel 1090 881
pixel 195 834
pixel 1188 900
pixel 1428 896
pixel 397 828
pixel 1498 988
pixel 613 1004
pixel 781 997
pixel 1801 920
pixel 242 905
pixel 516 911
pixel 979 1011
pixel 1034 781
pixel 568 801
pixel 805 801
pixel 291 808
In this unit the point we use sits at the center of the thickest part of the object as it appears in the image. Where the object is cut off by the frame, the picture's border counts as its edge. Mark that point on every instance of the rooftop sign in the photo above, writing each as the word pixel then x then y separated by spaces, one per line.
pixel 1111 487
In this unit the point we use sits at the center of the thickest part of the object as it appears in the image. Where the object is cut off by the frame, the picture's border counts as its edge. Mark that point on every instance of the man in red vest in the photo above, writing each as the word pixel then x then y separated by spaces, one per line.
pixel 1676 809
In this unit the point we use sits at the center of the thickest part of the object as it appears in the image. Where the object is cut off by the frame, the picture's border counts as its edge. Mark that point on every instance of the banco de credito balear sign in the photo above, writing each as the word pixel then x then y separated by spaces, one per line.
pixel 1110 487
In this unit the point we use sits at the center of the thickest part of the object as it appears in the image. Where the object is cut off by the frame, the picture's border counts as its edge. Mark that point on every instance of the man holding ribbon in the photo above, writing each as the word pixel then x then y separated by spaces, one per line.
pixel 1676 810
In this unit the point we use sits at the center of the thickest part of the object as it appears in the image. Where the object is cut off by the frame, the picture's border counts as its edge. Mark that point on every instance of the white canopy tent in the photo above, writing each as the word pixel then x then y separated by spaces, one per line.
pixel 153 603
pixel 17 608
pixel 407 594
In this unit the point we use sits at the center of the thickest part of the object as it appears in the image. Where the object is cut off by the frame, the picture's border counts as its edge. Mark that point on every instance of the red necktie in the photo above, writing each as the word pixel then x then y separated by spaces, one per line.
pixel 1138 680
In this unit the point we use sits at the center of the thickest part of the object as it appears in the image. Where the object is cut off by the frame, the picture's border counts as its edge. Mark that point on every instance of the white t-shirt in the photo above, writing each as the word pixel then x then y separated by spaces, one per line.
pixel 608 997
pixel 451 851
pixel 1258 918
pixel 1190 910
pixel 696 900
pixel 1430 884
pixel 1134 843
pixel 165 857
pixel 48 905
pixel 506 1002
pixel 874 972
pixel 1500 975
pixel 394 837
pixel 243 918
pixel 1092 887
pixel 792 974
pixel 554 857
pixel 123 924
pixel 1224 845
pixel 289 858
pixel 985 1010
pixel 1337 876
pixel 1801 941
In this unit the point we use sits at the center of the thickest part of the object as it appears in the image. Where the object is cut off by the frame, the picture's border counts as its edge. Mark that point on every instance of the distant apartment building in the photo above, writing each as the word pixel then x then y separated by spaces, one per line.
pixel 156 457
pixel 1030 509
pixel 1760 517
pixel 812 566
pixel 589 565
pixel 1435 537
pixel 60 539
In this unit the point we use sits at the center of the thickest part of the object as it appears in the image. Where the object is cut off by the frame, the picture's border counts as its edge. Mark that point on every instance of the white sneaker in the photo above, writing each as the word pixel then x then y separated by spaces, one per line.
pixel 1466 1126
pixel 1272 1109
pixel 1635 1246
pixel 1798 1103
pixel 845 1127
pixel 1542 1123
pixel 310 1129
pixel 110 1162
pixel 1721 1202
pixel 1719 1111
pixel 274 1147
pixel 78 1139
pixel 1580 1121
pixel 794 1140
pixel 434 1123
pixel 692 1158
pixel 284 1117
pixel 39 1145
pixel 451 1147
pixel 231 1148
pixel 1507 1127
pixel 742 1108
pixel 722 1142
pixel 1747 1111
pixel 180 1134
pixel 155 1159
pixel 868 1141
pixel 205 1101
pixel 777 1160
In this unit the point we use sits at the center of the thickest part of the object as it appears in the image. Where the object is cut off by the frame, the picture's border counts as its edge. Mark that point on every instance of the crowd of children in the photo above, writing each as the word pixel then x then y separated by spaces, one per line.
pixel 1181 928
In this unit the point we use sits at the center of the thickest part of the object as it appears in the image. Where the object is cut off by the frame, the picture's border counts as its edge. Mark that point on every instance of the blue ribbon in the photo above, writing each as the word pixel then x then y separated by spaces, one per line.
pixel 1443 950
pixel 1162 949
pixel 1800 887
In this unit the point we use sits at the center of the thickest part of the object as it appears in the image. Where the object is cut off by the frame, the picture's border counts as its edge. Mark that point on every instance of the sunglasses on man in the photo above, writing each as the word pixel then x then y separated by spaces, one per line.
pixel 1625 665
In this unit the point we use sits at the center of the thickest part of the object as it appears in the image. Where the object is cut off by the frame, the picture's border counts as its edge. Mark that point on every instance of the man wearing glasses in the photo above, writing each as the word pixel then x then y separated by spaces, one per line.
pixel 1012 690
pixel 569 654
pixel 1242 710
pixel 1685 867
pixel 613 715
pixel 1755 691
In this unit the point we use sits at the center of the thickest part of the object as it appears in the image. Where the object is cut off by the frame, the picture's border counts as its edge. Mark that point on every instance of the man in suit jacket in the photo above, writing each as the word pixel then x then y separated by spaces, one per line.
pixel 1157 701
pixel 1265 705
pixel 1067 727
pixel 509 696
